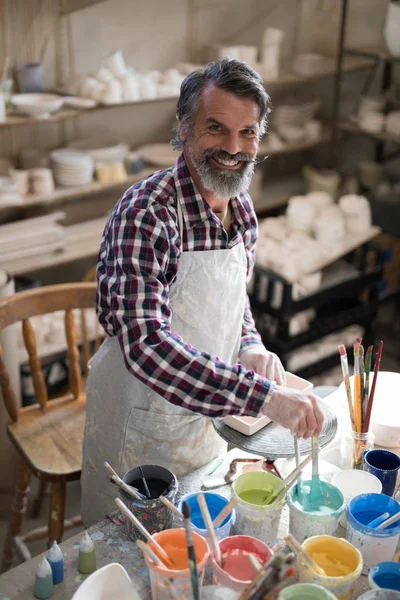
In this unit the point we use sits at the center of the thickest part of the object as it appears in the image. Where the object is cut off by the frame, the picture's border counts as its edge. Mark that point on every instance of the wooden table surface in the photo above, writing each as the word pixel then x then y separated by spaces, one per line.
pixel 113 545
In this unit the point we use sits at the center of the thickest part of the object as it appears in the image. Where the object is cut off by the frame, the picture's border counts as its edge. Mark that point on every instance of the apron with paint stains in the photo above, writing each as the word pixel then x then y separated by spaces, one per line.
pixel 127 423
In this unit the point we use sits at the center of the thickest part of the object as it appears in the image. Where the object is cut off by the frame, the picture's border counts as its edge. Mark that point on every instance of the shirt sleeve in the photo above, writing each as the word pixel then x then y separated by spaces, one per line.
pixel 136 252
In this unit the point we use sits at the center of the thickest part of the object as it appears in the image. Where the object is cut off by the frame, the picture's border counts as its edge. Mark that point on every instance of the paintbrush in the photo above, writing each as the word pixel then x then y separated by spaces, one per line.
pixel 362 382
pixel 168 562
pixel 194 577
pixel 277 569
pixel 389 521
pixel 128 489
pixel 282 488
pixel 220 518
pixel 346 378
pixel 171 507
pixel 146 488
pixel 212 538
pixel 303 555
pixel 357 387
pixel 374 380
pixel 368 358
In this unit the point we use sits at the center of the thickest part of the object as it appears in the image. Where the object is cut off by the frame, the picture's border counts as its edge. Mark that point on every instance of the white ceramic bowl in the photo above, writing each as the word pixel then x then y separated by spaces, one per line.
pixel 38 106
pixel 111 582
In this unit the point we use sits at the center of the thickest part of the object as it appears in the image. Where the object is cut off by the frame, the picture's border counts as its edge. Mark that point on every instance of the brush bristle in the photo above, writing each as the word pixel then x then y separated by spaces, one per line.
pixel 359 340
pixel 356 348
pixel 185 510
pixel 342 349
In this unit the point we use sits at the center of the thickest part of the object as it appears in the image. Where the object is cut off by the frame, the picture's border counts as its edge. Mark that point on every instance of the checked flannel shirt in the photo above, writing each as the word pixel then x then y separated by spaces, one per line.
pixel 138 262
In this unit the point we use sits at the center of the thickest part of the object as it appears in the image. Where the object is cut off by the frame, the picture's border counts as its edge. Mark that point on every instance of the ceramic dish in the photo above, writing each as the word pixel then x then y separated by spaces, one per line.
pixel 250 425
pixel 111 582
pixel 161 155
pixel 101 150
pixel 38 106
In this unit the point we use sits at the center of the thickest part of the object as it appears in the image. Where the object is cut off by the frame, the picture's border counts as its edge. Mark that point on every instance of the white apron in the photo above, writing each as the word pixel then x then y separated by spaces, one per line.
pixel 127 423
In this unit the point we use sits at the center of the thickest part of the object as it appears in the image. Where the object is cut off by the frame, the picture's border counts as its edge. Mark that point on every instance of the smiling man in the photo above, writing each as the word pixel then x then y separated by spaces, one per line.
pixel 174 260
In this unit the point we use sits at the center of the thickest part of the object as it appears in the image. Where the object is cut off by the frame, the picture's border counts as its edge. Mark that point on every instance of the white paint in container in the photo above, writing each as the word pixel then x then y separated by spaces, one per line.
pixel 352 483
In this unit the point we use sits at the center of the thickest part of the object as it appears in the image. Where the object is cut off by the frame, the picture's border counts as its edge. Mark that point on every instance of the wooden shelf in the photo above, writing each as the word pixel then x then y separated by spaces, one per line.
pixel 372 52
pixel 383 136
pixel 63 194
pixel 276 194
pixel 350 63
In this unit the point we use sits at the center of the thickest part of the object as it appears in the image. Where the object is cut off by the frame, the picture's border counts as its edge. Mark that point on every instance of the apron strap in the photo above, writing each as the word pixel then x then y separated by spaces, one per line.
pixel 180 220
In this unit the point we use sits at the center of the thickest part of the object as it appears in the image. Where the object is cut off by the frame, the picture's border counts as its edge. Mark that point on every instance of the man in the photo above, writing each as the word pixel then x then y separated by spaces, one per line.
pixel 172 270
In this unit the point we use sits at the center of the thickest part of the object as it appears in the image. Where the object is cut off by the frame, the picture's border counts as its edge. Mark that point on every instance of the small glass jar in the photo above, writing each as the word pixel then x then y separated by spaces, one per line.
pixel 352 449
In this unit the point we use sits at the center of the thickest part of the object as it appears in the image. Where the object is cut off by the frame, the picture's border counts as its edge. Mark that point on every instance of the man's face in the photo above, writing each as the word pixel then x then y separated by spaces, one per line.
pixel 224 140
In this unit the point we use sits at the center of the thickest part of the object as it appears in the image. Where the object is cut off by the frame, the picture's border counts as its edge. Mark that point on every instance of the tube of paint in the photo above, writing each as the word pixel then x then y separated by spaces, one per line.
pixel 43 580
pixel 56 562
pixel 87 555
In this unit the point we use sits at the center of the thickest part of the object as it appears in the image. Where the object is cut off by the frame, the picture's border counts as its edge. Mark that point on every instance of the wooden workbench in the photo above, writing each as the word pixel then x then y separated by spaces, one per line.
pixel 113 545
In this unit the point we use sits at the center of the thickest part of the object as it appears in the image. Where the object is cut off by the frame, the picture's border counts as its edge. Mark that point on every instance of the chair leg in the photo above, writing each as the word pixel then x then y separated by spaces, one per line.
pixel 38 501
pixel 56 511
pixel 18 508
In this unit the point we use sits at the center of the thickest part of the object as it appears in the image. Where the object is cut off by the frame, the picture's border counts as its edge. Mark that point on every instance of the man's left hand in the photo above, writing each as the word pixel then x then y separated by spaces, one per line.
pixel 264 363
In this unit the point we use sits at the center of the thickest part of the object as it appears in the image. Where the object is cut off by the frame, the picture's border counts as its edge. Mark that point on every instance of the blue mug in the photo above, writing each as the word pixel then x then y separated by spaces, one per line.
pixel 384 465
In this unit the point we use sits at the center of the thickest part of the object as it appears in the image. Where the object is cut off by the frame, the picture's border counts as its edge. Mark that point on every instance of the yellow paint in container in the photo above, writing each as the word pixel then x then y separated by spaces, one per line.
pixel 341 561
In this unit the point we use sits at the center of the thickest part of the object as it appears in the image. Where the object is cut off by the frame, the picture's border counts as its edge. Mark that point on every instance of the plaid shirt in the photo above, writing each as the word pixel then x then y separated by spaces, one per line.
pixel 137 264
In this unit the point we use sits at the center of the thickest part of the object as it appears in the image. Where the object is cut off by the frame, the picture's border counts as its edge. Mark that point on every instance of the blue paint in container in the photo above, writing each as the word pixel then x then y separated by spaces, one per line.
pixel 385 575
pixel 375 545
pixel 215 503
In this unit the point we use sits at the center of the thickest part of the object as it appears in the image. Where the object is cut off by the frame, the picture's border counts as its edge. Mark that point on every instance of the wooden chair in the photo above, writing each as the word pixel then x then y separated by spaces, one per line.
pixel 48 435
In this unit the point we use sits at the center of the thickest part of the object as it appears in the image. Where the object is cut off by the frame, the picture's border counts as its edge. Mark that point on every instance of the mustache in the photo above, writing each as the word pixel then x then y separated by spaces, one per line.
pixel 241 156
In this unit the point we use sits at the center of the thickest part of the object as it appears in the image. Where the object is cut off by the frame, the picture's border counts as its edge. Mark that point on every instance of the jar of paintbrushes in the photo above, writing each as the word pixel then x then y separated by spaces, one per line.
pixel 360 391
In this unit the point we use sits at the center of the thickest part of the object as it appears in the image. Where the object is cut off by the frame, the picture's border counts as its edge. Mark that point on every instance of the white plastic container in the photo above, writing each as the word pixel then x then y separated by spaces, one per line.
pixel 352 482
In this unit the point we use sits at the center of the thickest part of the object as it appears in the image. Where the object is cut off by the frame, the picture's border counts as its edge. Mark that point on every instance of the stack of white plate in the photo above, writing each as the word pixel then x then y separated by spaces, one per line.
pixel 392 124
pixel 296 115
pixel 72 167
pixel 101 149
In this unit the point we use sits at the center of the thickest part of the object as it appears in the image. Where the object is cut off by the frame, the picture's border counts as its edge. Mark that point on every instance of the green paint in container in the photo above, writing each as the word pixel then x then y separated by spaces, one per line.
pixel 87 555
pixel 43 580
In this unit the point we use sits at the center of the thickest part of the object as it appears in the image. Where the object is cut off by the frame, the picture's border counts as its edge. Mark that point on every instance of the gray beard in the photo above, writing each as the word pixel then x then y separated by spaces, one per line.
pixel 224 184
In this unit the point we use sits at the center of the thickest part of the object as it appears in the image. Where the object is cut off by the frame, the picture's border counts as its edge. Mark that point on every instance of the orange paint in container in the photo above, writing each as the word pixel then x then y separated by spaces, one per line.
pixel 168 584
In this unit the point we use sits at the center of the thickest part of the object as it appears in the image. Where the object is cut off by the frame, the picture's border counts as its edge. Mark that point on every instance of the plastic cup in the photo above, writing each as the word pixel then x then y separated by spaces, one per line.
pixel 235 551
pixel 168 584
pixel 257 520
pixel 303 524
pixel 385 575
pixel 339 551
pixel 152 512
pixel 380 595
pixel 215 503
pixel 352 483
pixel 305 591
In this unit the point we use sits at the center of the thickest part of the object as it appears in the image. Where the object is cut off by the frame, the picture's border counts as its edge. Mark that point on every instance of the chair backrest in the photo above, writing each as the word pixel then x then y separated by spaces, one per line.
pixel 21 307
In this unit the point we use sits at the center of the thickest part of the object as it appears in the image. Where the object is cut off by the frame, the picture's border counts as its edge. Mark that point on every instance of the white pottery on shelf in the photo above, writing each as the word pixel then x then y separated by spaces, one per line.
pixel 72 167
pixel 38 106
pixel 300 214
pixel 357 213
pixel 308 64
pixel 392 28
pixel 115 63
pixel 271 52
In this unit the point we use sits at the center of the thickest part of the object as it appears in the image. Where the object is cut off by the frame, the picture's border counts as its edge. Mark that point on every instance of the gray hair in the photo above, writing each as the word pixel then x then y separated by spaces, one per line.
pixel 227 74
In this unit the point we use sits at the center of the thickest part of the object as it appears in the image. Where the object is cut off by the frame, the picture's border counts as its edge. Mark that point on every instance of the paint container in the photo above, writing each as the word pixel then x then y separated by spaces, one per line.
pixel 384 465
pixel 385 575
pixel 380 595
pixel 305 591
pixel 238 572
pixel 352 483
pixel 322 520
pixel 341 561
pixel 168 584
pixel 154 515
pixel 253 518
pixel 376 545
pixel 215 503
pixel 216 592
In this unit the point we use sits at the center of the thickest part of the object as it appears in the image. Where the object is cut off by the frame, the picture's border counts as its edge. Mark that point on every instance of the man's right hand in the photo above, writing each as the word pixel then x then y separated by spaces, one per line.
pixel 297 411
